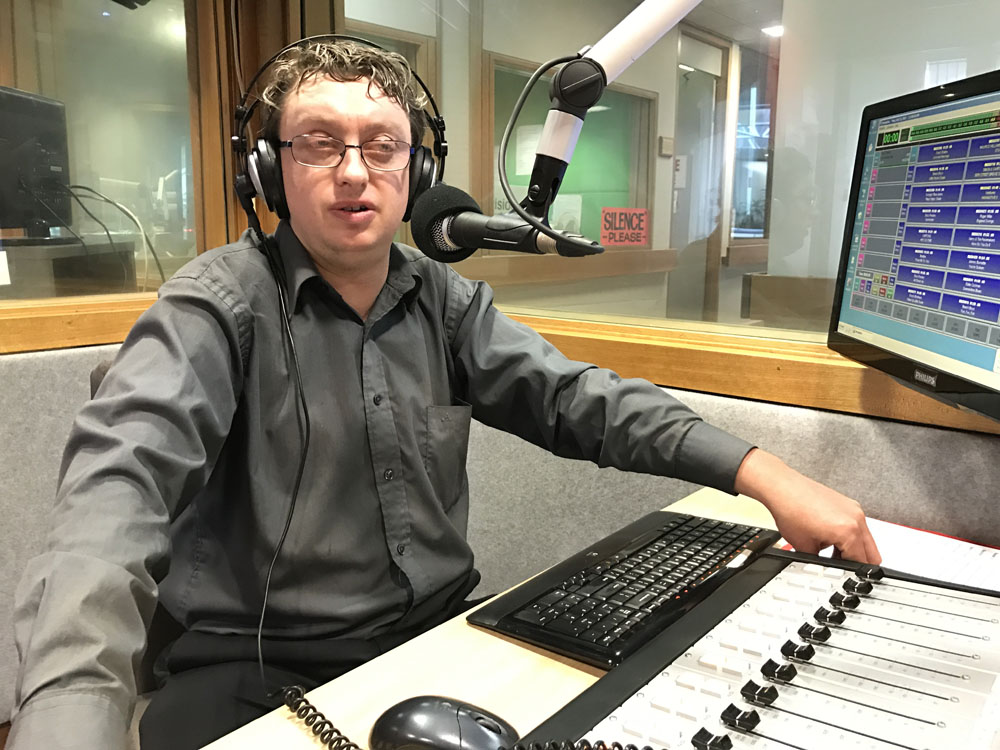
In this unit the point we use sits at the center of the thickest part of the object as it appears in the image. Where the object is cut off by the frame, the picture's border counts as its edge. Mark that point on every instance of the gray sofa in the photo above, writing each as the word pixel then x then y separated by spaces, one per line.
pixel 529 508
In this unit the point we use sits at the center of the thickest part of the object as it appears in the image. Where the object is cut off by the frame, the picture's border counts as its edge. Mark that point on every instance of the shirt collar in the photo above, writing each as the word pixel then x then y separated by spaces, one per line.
pixel 404 280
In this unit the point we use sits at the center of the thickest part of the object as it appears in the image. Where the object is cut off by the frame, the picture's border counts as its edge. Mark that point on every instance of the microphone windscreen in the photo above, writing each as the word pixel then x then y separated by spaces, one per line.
pixel 430 210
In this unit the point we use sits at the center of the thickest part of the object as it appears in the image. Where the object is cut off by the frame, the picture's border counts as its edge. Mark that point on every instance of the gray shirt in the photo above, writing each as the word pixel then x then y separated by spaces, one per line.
pixel 177 476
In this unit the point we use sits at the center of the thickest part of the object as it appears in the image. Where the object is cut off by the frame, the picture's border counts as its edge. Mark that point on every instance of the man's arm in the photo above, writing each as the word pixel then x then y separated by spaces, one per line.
pixel 518 382
pixel 810 516
pixel 136 455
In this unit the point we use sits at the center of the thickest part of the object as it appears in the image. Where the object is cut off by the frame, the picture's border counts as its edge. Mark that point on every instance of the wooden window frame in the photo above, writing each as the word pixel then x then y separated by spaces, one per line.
pixel 61 322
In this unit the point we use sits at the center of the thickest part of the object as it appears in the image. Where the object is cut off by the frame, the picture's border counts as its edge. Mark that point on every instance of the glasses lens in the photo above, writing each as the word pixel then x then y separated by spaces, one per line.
pixel 386 155
pixel 317 150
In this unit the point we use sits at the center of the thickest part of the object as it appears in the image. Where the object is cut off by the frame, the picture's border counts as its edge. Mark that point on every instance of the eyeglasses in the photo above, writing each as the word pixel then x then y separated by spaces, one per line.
pixel 325 152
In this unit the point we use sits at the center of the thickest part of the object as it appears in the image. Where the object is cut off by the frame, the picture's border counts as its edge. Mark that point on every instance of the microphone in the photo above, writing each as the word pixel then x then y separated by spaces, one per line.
pixel 449 226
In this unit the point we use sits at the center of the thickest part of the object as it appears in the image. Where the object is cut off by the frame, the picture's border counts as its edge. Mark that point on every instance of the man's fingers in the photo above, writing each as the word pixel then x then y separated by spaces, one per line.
pixel 860 546
pixel 874 557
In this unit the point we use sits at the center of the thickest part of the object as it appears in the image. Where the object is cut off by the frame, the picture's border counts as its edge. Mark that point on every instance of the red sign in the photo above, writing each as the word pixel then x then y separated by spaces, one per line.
pixel 624 226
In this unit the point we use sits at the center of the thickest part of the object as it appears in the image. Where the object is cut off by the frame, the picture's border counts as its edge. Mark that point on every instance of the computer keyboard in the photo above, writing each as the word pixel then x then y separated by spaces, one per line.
pixel 602 604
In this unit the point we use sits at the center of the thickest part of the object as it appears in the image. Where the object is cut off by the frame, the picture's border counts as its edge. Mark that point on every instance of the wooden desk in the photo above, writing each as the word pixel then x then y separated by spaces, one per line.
pixel 518 682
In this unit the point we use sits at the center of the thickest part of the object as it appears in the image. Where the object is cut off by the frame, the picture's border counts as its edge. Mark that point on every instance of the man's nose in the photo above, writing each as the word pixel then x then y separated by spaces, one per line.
pixel 352 167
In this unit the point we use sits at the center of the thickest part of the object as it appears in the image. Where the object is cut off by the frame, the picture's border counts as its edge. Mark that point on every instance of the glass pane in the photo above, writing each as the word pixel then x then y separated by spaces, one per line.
pixel 95 159
pixel 746 207
pixel 753 147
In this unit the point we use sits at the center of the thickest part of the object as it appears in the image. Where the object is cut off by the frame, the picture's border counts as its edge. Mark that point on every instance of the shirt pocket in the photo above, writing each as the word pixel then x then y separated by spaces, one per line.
pixel 446 448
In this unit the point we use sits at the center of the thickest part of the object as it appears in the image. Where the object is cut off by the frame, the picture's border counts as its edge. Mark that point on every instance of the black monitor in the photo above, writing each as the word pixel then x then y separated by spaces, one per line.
pixel 34 163
pixel 918 290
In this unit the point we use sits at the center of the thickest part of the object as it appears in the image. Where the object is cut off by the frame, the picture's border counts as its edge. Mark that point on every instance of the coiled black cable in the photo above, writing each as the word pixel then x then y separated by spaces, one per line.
pixel 295 699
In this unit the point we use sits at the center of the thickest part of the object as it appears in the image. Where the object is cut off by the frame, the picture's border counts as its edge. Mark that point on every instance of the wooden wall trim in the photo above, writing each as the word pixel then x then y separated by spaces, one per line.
pixel 7 60
pixel 786 372
pixel 64 322
pixel 796 373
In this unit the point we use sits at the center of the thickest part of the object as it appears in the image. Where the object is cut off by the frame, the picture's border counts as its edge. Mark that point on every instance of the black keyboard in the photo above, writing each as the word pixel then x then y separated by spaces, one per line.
pixel 604 603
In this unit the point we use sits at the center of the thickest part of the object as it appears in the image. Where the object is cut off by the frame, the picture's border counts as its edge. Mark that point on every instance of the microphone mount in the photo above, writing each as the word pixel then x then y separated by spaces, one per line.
pixel 575 89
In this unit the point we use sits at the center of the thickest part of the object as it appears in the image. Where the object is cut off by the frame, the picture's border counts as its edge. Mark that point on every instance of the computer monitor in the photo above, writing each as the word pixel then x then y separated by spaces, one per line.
pixel 918 289
pixel 34 163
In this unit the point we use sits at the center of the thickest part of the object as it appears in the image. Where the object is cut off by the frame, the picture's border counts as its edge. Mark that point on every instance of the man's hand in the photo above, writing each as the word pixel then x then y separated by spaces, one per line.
pixel 809 515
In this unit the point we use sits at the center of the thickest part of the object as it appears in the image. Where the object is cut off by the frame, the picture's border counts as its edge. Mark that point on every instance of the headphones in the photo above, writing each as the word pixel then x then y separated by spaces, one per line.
pixel 258 169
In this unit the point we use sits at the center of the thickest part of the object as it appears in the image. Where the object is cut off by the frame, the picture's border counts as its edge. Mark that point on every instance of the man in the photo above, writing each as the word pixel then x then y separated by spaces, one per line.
pixel 177 477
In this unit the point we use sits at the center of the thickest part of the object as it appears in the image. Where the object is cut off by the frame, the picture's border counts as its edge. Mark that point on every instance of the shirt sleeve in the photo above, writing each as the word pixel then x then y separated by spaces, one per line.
pixel 77 721
pixel 136 455
pixel 518 382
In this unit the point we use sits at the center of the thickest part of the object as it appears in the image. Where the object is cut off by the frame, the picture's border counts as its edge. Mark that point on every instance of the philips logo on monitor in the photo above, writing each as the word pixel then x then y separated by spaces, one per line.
pixel 925 378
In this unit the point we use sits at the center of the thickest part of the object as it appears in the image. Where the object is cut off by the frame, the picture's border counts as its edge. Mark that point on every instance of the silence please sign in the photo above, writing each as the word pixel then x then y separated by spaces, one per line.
pixel 624 226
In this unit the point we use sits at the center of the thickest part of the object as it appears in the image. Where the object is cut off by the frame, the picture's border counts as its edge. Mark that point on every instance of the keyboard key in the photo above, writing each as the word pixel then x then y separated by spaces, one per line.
pixel 592 635
pixel 593 585
pixel 552 597
pixel 532 617
pixel 563 625
pixel 609 590
pixel 641 599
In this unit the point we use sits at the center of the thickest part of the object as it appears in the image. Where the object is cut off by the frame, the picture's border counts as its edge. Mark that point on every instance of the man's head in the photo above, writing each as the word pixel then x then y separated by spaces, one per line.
pixel 343 60
pixel 345 212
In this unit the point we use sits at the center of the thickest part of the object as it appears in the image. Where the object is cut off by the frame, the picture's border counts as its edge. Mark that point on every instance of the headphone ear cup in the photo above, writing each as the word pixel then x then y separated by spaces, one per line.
pixel 266 162
pixel 422 176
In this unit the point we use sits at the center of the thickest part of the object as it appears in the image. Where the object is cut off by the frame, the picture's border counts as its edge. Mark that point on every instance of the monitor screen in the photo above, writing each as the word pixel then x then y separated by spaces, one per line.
pixel 34 163
pixel 918 288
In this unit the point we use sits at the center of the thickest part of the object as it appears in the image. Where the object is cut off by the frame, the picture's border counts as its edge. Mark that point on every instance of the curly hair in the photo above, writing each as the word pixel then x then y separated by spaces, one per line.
pixel 343 60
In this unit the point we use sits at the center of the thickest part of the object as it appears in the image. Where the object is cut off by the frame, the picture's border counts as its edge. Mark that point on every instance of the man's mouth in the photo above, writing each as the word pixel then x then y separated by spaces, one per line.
pixel 355 209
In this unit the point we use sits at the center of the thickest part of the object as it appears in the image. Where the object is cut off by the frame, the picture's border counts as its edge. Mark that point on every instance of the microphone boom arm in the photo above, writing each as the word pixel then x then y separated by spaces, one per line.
pixel 577 87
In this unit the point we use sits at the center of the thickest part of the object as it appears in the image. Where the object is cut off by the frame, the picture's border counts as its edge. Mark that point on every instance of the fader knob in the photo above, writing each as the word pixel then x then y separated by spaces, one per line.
pixel 871 573
pixel 840 601
pixel 798 651
pixel 826 617
pixel 854 586
pixel 775 672
pixel 705 740
pixel 814 633
pixel 762 695
pixel 733 717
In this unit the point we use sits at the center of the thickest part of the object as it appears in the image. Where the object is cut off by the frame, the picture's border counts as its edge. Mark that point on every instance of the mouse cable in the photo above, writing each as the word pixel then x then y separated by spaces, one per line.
pixel 578 745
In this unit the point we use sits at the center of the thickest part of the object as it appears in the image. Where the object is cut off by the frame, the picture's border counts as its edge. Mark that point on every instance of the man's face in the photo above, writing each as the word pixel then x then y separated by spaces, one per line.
pixel 346 215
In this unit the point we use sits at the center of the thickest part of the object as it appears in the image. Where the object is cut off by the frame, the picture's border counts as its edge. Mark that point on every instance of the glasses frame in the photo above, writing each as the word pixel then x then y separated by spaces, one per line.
pixel 358 146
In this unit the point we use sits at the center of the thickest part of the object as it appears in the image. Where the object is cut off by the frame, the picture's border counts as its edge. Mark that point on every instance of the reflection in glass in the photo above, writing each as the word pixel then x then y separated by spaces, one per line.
pixel 118 215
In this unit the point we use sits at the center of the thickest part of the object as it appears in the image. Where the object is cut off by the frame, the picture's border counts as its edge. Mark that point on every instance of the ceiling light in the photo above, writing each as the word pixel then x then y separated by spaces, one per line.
pixel 774 31
pixel 684 67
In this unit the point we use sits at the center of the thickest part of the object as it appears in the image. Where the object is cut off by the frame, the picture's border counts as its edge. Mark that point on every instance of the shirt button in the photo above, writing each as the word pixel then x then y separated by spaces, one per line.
pixel 377 400
pixel 388 474
pixel 401 549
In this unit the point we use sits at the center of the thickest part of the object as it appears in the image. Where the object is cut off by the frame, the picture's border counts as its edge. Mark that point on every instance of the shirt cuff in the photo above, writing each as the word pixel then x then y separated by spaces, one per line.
pixel 69 721
pixel 711 457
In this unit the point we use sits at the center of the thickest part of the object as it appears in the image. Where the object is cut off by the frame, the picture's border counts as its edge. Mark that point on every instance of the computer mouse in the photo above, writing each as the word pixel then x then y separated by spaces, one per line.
pixel 433 722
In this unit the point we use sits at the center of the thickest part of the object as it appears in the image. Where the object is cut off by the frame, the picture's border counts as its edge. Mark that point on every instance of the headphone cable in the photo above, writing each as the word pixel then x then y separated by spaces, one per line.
pixel 278 275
